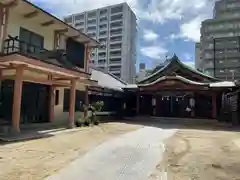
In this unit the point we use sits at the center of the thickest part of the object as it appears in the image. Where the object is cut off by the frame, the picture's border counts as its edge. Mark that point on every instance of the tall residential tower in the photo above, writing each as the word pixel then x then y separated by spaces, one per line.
pixel 220 41
pixel 115 28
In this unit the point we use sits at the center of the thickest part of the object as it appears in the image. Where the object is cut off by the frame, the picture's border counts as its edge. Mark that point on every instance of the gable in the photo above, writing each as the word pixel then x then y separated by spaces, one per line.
pixel 176 67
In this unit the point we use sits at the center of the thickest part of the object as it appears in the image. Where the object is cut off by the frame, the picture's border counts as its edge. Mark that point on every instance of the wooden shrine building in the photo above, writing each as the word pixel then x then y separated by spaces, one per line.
pixel 176 90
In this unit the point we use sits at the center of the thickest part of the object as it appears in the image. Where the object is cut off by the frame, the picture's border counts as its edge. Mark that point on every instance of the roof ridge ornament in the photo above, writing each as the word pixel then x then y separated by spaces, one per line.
pixel 175 57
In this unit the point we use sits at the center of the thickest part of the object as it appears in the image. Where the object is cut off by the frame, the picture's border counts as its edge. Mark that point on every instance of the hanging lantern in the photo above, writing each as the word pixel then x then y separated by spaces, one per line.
pixel 153 101
pixel 192 102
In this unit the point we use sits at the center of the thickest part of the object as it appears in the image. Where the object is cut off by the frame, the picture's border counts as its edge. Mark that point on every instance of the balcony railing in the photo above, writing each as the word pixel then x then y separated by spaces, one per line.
pixel 13 45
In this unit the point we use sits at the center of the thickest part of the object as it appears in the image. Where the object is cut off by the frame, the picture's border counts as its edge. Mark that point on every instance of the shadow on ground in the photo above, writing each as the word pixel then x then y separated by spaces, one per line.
pixel 181 123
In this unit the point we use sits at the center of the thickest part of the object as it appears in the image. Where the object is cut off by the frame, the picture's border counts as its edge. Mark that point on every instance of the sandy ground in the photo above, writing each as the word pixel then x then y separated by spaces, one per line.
pixel 201 155
pixel 37 159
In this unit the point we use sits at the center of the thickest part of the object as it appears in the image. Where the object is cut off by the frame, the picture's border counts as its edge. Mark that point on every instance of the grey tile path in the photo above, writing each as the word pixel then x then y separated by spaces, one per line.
pixel 132 156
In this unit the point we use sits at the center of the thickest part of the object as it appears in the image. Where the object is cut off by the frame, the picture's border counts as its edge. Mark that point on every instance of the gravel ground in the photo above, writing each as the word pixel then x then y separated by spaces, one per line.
pixel 132 156
pixel 37 159
pixel 201 155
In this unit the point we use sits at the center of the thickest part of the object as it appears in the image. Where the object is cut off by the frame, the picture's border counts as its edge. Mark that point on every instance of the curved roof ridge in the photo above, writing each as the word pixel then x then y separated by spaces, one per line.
pixel 176 59
pixel 174 77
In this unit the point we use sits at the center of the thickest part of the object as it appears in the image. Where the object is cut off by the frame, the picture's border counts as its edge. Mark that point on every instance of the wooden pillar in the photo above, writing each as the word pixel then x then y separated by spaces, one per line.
pixel 72 103
pixel 214 106
pixel 86 97
pixel 137 103
pixel 51 103
pixel 17 98
pixel 154 103
pixel 86 101
pixel 4 16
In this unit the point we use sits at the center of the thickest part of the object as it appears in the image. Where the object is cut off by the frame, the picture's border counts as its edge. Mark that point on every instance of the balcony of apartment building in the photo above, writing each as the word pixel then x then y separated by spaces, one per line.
pixel 91 15
pixel 40 55
pixel 115 54
pixel 116 25
pixel 228 73
pixel 79 18
pixel 102 49
pixel 116 32
pixel 103 34
pixel 116 68
pixel 117 9
pixel 103 27
pixel 69 20
pixel 101 62
pixel 115 47
pixel 103 20
pixel 115 61
pixel 91 22
pixel 103 12
pixel 102 55
pixel 116 17
pixel 115 39
pixel 91 29
pixel 227 63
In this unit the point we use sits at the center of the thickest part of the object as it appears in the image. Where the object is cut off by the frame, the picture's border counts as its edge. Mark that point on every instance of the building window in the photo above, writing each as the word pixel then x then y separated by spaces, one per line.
pixel 56 97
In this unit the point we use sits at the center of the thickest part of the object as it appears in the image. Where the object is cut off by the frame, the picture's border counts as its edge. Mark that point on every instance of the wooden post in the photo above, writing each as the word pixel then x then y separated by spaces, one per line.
pixel 17 98
pixel 72 103
pixel 4 16
pixel 86 101
pixel 137 103
pixel 214 106
pixel 51 103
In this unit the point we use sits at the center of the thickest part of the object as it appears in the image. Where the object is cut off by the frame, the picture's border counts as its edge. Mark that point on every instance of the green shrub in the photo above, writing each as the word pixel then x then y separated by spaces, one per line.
pixel 87 122
pixel 98 105
pixel 79 122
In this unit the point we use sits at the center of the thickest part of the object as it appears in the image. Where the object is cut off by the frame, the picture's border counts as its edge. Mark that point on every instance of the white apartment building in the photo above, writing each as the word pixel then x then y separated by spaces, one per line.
pixel 220 41
pixel 198 61
pixel 115 28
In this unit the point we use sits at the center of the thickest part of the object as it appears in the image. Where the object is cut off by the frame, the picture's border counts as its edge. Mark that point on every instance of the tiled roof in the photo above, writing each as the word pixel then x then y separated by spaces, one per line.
pixel 107 80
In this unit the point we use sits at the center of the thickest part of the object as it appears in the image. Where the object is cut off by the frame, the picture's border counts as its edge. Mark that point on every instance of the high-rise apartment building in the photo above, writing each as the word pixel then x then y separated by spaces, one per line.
pixel 198 61
pixel 220 41
pixel 115 28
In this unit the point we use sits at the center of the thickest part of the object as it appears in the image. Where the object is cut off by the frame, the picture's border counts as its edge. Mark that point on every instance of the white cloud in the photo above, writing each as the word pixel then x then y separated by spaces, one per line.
pixel 149 35
pixel 154 52
pixel 191 29
pixel 187 56
pixel 66 7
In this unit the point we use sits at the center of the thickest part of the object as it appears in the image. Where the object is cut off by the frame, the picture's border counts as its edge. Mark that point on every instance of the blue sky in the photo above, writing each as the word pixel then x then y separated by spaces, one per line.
pixel 164 26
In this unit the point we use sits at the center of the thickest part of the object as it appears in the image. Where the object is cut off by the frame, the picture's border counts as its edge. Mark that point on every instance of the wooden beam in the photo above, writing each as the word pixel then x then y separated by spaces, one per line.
pixel 64 78
pixel 31 14
pixel 61 31
pixel 10 4
pixel 48 23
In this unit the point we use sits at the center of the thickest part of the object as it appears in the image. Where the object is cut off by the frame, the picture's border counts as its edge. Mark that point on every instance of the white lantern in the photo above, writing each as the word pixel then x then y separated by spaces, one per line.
pixel 192 102
pixel 153 101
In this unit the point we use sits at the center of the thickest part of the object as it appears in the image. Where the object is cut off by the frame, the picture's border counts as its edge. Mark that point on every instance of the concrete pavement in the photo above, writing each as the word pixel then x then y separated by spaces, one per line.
pixel 128 157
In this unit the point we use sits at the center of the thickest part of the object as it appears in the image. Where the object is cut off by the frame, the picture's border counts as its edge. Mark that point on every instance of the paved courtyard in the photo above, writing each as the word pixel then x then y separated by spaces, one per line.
pixel 40 158
pixel 128 157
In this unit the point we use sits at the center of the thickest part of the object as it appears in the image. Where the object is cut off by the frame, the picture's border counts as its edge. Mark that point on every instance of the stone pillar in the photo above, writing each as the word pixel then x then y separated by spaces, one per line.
pixel 17 98
pixel 72 103
pixel 214 106
pixel 137 103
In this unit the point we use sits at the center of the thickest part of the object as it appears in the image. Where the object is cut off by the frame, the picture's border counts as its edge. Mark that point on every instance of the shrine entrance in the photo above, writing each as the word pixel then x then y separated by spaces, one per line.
pixel 169 106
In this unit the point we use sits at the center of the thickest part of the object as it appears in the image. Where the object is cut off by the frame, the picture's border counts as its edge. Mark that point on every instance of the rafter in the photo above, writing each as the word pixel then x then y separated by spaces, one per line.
pixel 10 4
pixel 31 14
pixel 48 23
pixel 61 30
